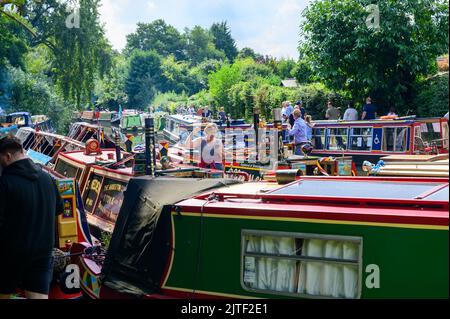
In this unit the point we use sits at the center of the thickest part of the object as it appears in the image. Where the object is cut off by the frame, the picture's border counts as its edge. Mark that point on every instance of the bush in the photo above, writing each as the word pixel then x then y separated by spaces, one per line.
pixel 432 96
pixel 36 94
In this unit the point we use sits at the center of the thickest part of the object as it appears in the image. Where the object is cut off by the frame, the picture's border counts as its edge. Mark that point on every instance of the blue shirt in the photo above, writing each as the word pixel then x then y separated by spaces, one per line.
pixel 309 131
pixel 289 110
pixel 370 110
pixel 299 131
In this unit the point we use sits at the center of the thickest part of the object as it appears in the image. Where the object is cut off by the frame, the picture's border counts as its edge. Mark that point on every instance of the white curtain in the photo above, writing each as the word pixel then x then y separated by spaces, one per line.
pixel 271 273
pixel 317 278
pixel 325 278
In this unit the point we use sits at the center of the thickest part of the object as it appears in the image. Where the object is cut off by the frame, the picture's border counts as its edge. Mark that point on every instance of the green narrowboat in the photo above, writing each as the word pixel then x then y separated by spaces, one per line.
pixel 319 237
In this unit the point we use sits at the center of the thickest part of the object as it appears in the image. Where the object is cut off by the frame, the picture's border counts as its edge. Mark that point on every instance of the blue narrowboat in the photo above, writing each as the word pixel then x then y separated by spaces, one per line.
pixel 370 140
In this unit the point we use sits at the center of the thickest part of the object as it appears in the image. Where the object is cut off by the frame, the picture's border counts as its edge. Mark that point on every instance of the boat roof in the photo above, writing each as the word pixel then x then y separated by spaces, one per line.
pixel 350 190
pixel 186 119
pixel 82 159
pixel 19 114
pixel 401 190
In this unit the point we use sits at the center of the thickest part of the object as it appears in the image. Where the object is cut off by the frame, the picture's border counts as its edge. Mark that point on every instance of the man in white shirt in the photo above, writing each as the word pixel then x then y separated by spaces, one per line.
pixel 351 114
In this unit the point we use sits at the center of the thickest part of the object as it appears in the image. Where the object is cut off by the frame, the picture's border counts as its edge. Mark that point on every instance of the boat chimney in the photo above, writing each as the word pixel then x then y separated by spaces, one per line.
pixel 256 112
pixel 150 151
pixel 118 152
pixel 278 125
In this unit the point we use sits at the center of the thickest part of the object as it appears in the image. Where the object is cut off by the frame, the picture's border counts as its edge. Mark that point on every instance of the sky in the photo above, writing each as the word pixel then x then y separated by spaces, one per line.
pixel 268 26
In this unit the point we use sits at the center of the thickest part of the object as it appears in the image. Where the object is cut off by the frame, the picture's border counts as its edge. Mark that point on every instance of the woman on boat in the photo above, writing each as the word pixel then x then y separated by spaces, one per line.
pixel 309 127
pixel 210 146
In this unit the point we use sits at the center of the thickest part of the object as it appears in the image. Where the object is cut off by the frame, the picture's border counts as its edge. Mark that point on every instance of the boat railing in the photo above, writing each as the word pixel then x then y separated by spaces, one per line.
pixel 48 144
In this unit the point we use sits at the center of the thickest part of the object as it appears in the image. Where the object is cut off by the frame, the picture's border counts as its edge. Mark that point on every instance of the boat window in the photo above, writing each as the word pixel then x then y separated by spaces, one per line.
pixel 337 139
pixel 318 139
pixel 361 139
pixel 66 169
pixel 395 139
pixel 110 199
pixel 91 192
pixel 305 265
pixel 430 132
pixel 445 142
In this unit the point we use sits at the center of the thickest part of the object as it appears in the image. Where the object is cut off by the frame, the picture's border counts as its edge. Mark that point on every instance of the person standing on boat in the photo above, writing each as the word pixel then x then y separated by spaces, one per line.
pixel 299 132
pixel 222 116
pixel 392 112
pixel 289 111
pixel 29 204
pixel 191 110
pixel 209 145
pixel 206 112
pixel 309 127
pixel 299 105
pixel 332 112
pixel 369 110
pixel 350 114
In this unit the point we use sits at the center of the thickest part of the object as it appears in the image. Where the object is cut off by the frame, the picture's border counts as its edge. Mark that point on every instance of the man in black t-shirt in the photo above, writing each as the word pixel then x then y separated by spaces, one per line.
pixel 29 204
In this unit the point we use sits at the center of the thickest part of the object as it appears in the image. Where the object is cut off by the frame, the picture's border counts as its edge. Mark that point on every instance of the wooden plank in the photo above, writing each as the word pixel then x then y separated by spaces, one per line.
pixel 414 158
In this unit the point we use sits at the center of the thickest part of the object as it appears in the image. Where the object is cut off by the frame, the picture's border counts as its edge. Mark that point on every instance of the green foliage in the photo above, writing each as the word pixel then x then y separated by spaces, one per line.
pixel 159 37
pixel 105 239
pixel 200 46
pixel 223 40
pixel 169 101
pixel 284 68
pixel 80 54
pixel 110 90
pixel 221 82
pixel 37 95
pixel 383 62
pixel 248 53
pixel 178 78
pixel 12 42
pixel 432 98
pixel 202 71
pixel 144 78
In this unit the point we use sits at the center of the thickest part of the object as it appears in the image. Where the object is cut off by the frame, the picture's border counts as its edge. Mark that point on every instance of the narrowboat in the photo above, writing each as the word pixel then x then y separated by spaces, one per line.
pixel 177 127
pixel 103 175
pixel 333 237
pixel 101 181
pixel 370 140
pixel 12 122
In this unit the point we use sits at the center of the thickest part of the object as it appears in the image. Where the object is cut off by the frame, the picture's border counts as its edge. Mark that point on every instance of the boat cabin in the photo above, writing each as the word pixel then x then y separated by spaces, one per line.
pixel 369 140
pixel 101 185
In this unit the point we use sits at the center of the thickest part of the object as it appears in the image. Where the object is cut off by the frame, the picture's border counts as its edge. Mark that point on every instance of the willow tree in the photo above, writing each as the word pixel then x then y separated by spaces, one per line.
pixel 73 32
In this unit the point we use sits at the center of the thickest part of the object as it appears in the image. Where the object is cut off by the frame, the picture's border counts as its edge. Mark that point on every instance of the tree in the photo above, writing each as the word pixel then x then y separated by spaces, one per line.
pixel 223 40
pixel 200 46
pixel 36 94
pixel 177 77
pixel 221 82
pixel 202 71
pixel 249 53
pixel 80 51
pixel 158 36
pixel 144 78
pixel 284 68
pixel 12 43
pixel 382 60
pixel 110 91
